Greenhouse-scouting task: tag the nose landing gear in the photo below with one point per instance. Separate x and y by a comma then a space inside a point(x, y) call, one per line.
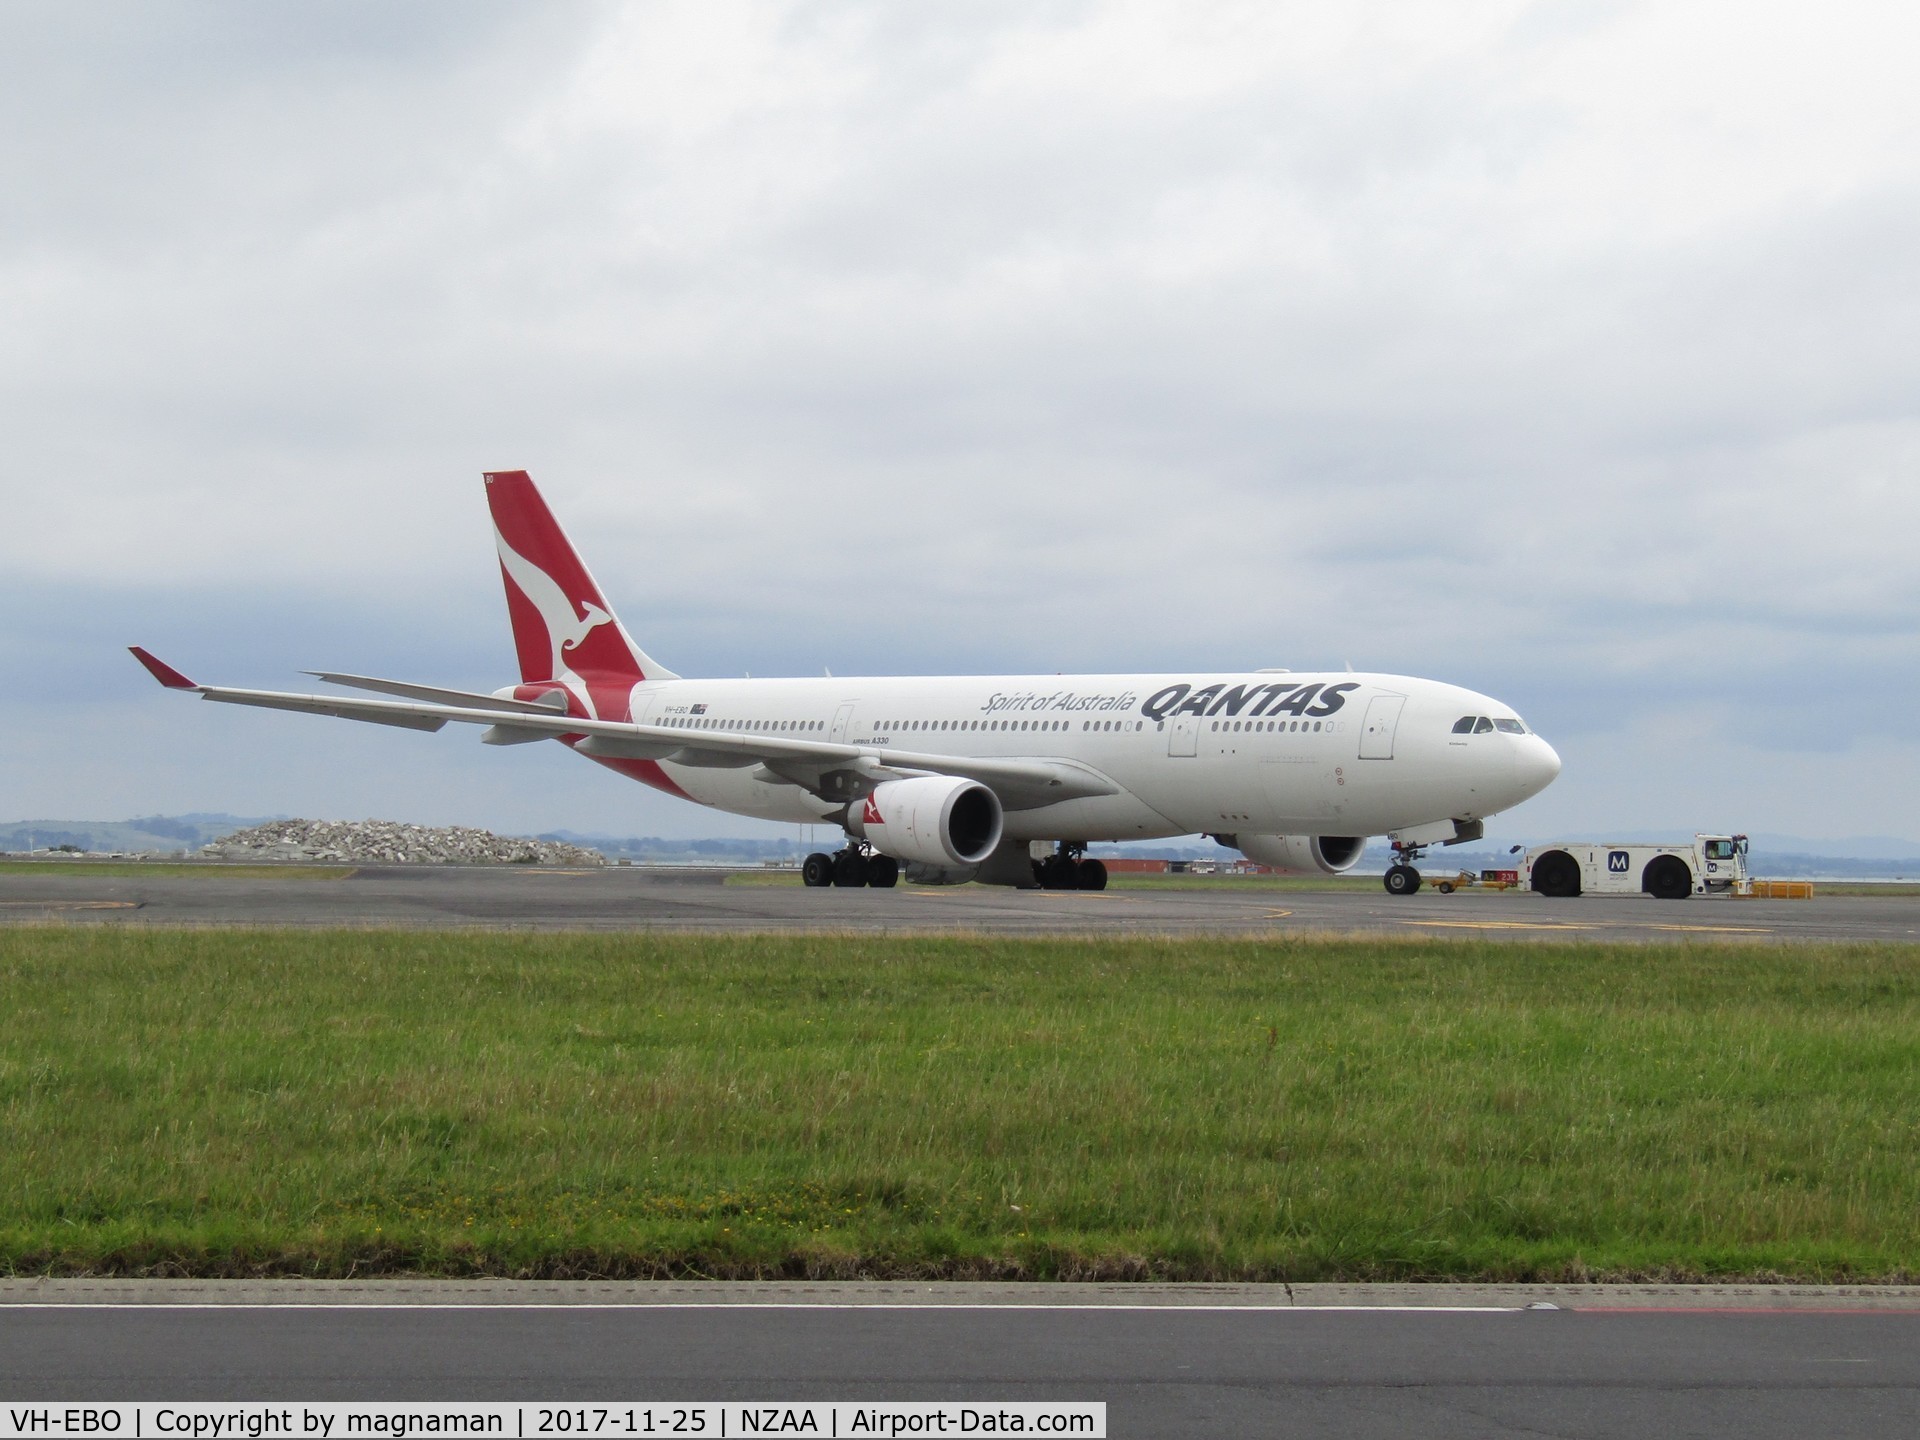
point(1401, 877)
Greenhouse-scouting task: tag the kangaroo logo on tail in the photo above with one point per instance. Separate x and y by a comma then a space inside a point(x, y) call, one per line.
point(566, 631)
point(563, 628)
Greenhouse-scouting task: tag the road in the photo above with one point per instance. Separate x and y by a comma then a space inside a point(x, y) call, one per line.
point(1205, 1361)
point(634, 898)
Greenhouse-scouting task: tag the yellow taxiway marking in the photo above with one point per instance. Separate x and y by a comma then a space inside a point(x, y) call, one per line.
point(1493, 925)
point(1717, 929)
point(72, 904)
point(1276, 914)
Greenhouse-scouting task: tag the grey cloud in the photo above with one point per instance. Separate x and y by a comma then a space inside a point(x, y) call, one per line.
point(905, 338)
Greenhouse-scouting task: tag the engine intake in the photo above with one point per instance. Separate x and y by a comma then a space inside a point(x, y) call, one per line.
point(933, 820)
point(1301, 854)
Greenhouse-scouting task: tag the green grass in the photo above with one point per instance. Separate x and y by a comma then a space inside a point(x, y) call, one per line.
point(209, 869)
point(332, 1103)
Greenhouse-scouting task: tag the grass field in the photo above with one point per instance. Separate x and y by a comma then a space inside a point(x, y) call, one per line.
point(332, 1103)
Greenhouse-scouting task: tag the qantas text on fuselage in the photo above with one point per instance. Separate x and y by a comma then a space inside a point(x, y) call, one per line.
point(959, 777)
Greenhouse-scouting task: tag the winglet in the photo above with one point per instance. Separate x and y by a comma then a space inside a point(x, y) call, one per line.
point(161, 671)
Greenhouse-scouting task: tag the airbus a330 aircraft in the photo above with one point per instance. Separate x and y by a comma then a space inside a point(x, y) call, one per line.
point(999, 779)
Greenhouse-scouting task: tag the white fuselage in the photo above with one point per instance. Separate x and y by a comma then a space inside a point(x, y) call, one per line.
point(1263, 753)
point(955, 772)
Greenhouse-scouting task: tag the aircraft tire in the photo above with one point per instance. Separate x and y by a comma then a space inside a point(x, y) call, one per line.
point(1093, 875)
point(1401, 880)
point(849, 870)
point(816, 870)
point(883, 872)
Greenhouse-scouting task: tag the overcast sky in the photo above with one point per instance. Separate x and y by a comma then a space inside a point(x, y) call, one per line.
point(1565, 350)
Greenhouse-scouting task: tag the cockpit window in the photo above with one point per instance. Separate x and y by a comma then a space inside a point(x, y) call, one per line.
point(1509, 727)
point(1464, 725)
point(1482, 726)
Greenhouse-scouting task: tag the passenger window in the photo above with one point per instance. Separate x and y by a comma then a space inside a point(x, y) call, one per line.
point(1464, 725)
point(1483, 726)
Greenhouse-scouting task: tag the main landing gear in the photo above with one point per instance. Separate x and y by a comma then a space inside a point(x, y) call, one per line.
point(1401, 877)
point(1069, 869)
point(851, 868)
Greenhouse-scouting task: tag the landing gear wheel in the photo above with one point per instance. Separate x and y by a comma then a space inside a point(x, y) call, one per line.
point(1057, 872)
point(816, 870)
point(883, 872)
point(1401, 880)
point(849, 870)
point(1064, 869)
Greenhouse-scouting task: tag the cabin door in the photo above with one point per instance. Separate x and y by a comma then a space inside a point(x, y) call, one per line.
point(1376, 731)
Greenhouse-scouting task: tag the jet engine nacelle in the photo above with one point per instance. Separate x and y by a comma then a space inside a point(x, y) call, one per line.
point(939, 820)
point(1301, 854)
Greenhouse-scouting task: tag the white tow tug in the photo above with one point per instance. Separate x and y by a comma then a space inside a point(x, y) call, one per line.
point(1711, 865)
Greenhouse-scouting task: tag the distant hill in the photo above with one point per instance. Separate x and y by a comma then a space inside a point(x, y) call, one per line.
point(658, 850)
point(162, 833)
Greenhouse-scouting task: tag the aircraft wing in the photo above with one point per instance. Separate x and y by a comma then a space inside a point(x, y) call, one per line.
point(545, 705)
point(832, 770)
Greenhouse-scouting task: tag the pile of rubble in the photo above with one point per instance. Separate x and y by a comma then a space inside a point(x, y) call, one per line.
point(371, 841)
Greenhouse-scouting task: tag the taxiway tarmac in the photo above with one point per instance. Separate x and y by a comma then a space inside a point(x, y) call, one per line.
point(1208, 1361)
point(635, 898)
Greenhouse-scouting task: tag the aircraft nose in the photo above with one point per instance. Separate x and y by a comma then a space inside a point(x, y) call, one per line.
point(1537, 763)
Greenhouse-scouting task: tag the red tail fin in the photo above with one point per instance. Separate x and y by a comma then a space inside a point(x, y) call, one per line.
point(563, 628)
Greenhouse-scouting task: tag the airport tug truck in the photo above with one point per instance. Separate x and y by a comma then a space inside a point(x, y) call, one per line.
point(1711, 865)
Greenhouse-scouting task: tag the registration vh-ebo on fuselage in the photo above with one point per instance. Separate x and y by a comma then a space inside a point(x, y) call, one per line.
point(1000, 779)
